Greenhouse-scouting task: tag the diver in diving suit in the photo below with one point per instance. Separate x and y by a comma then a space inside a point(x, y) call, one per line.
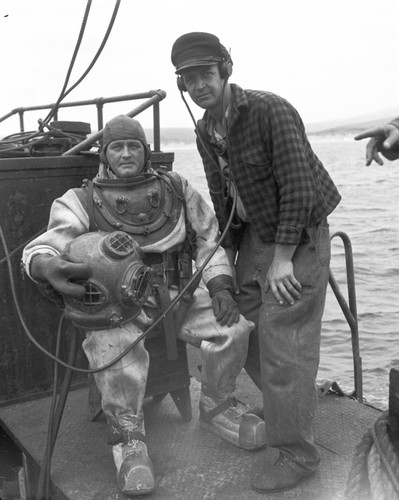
point(167, 217)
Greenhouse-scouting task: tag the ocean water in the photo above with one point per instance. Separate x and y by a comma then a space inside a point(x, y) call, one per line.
point(369, 215)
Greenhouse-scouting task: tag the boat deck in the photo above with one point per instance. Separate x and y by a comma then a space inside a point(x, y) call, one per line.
point(189, 463)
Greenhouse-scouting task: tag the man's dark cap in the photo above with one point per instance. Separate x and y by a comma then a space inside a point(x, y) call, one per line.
point(196, 49)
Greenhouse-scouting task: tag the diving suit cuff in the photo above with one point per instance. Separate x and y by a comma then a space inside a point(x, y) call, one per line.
point(219, 283)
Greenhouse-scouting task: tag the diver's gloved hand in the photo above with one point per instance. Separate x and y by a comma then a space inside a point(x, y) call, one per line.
point(61, 273)
point(224, 306)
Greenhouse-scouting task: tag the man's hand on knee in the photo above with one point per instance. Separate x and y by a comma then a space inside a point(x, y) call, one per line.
point(224, 306)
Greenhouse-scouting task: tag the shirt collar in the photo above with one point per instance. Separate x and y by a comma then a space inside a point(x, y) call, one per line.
point(211, 123)
point(239, 102)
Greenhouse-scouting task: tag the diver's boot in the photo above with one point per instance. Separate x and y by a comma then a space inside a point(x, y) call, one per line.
point(283, 474)
point(135, 473)
point(233, 422)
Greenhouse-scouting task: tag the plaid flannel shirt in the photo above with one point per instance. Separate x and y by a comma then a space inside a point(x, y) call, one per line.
point(282, 184)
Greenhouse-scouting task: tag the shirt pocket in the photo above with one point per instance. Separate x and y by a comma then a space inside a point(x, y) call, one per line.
point(256, 163)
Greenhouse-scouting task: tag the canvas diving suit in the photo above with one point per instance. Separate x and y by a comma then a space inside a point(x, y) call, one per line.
point(158, 210)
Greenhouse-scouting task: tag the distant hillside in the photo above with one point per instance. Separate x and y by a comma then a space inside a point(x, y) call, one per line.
point(354, 124)
point(351, 126)
point(173, 135)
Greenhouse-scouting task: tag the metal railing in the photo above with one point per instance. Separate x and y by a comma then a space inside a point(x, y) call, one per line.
point(350, 311)
point(153, 96)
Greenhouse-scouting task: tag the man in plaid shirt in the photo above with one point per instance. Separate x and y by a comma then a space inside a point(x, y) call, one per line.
point(258, 162)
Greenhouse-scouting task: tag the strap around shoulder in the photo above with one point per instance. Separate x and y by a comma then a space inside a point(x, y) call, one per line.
point(85, 195)
point(90, 207)
point(174, 182)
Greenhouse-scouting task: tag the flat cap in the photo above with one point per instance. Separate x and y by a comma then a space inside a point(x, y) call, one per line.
point(196, 49)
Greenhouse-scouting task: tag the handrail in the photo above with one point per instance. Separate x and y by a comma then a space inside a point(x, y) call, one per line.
point(350, 311)
point(160, 94)
point(99, 103)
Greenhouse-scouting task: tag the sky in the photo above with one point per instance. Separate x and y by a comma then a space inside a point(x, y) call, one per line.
point(331, 60)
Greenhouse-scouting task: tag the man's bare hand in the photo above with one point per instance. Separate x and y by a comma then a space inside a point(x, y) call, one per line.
point(61, 273)
point(384, 140)
point(280, 277)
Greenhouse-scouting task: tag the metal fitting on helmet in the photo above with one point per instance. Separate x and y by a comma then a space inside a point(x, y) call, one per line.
point(119, 283)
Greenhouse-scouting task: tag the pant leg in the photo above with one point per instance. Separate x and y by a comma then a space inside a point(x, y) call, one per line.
point(249, 300)
point(223, 348)
point(289, 341)
point(122, 386)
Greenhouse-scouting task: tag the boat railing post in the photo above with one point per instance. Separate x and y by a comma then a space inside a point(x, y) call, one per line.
point(350, 312)
point(100, 116)
point(157, 128)
point(21, 120)
point(393, 424)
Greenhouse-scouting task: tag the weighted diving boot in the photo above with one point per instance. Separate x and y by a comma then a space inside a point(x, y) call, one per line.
point(135, 472)
point(232, 421)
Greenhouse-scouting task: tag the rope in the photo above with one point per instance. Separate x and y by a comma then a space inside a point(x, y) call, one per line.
point(71, 64)
point(100, 49)
point(19, 145)
point(374, 473)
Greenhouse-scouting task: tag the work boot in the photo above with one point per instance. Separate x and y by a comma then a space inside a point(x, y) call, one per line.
point(232, 421)
point(283, 474)
point(135, 473)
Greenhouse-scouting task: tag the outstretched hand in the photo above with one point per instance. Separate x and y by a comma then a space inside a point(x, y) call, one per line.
point(382, 139)
point(62, 274)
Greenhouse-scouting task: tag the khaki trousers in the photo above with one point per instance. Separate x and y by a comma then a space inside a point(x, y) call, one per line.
point(283, 355)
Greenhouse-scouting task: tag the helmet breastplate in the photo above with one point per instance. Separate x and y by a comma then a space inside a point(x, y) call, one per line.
point(148, 207)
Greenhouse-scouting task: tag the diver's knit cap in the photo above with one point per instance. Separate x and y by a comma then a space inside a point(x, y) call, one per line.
point(123, 128)
point(196, 49)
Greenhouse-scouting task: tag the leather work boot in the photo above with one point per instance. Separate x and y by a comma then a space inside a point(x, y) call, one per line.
point(135, 473)
point(233, 422)
point(282, 475)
